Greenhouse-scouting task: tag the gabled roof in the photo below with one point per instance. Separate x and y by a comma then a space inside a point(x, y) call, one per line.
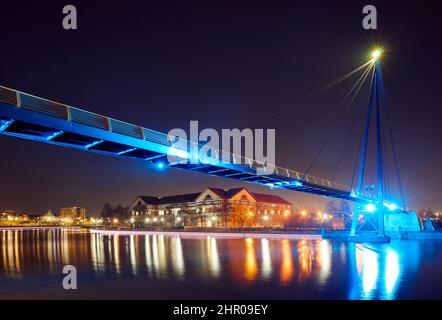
point(224, 194)
point(182, 198)
point(231, 192)
point(219, 192)
point(149, 200)
point(259, 197)
point(269, 198)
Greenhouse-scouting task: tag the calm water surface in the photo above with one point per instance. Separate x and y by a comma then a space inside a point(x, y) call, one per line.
point(31, 264)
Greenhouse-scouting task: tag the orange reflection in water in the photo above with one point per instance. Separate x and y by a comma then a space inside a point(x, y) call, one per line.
point(287, 268)
point(305, 260)
point(251, 266)
point(10, 257)
point(40, 249)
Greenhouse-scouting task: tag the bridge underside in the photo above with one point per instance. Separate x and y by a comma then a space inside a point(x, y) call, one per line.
point(38, 119)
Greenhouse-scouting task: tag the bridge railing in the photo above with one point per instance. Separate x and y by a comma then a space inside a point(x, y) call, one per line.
point(66, 112)
point(69, 113)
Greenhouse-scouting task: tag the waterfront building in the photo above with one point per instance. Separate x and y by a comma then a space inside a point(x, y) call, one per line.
point(73, 214)
point(48, 218)
point(8, 215)
point(11, 217)
point(213, 207)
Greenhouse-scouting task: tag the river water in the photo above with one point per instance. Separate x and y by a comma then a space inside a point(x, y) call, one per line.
point(160, 267)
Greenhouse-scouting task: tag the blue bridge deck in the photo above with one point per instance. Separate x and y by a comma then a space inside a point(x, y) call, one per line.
point(30, 117)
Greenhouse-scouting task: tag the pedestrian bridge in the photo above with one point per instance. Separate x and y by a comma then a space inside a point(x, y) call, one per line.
point(27, 116)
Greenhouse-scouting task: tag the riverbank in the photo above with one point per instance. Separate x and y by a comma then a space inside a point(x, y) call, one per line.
point(39, 228)
point(203, 234)
point(244, 233)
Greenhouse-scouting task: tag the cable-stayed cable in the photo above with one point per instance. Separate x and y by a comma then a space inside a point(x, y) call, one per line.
point(323, 146)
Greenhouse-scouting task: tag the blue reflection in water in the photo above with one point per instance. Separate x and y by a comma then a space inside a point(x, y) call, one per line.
point(391, 273)
point(370, 271)
point(325, 261)
point(374, 272)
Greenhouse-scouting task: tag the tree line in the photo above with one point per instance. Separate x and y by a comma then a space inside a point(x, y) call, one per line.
point(117, 212)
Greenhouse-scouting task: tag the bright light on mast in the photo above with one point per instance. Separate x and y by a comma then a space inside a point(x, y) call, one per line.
point(376, 54)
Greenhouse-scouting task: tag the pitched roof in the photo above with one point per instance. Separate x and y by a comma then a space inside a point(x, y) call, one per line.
point(260, 197)
point(269, 198)
point(224, 194)
point(182, 198)
point(149, 199)
point(231, 192)
point(219, 192)
point(48, 214)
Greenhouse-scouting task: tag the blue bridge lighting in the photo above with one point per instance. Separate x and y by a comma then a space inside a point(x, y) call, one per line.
point(160, 165)
point(391, 206)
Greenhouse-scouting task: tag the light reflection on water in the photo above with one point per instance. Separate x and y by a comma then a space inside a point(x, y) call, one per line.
point(280, 268)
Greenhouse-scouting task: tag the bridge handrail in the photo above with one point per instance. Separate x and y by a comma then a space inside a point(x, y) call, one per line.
point(73, 114)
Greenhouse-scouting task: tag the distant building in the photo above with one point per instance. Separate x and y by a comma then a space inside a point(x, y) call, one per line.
point(12, 216)
point(213, 207)
point(49, 217)
point(8, 214)
point(73, 214)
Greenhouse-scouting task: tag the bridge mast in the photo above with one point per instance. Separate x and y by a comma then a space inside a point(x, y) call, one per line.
point(380, 209)
point(375, 92)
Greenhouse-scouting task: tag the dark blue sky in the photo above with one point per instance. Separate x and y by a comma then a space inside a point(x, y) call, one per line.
point(227, 64)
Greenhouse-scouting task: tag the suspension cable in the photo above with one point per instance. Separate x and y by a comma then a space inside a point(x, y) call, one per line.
point(340, 79)
point(327, 140)
point(350, 131)
point(393, 144)
point(359, 151)
point(322, 90)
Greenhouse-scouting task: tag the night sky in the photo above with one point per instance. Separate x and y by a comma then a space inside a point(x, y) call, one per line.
point(227, 64)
